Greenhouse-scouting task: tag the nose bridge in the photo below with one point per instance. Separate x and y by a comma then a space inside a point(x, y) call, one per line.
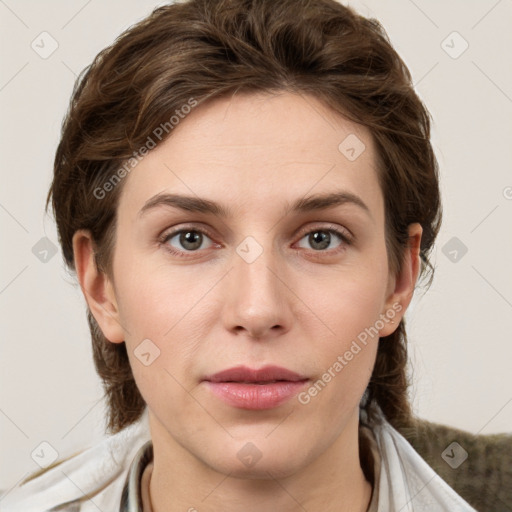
point(255, 263)
point(257, 298)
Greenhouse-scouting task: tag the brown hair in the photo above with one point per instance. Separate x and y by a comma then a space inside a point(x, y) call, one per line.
point(204, 49)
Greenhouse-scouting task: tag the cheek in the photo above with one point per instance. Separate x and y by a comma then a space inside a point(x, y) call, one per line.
point(162, 314)
point(349, 301)
point(352, 349)
point(349, 307)
point(345, 362)
point(152, 297)
point(155, 312)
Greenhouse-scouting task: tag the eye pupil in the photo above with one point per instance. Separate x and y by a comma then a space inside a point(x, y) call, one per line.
point(322, 238)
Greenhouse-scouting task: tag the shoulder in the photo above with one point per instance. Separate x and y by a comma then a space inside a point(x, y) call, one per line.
point(478, 467)
point(93, 477)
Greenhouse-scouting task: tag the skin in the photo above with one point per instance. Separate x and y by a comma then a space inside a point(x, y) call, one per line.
point(295, 306)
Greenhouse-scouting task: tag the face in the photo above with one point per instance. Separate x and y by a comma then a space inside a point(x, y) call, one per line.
point(269, 277)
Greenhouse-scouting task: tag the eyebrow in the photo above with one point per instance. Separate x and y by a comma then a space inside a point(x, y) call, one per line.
point(200, 205)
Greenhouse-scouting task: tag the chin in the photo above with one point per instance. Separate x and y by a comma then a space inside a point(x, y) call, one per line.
point(261, 459)
point(269, 470)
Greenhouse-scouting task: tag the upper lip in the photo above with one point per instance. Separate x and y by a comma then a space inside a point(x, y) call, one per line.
point(246, 374)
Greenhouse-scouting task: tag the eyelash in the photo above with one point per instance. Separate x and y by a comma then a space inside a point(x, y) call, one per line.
point(346, 239)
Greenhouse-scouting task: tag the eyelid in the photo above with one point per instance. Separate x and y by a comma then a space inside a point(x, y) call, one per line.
point(167, 234)
point(341, 231)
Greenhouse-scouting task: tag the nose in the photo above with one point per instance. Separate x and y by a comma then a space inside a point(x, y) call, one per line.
point(258, 302)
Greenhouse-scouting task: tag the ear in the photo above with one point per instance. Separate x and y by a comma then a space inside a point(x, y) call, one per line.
point(401, 287)
point(96, 287)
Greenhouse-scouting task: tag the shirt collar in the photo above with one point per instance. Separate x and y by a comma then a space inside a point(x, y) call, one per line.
point(131, 498)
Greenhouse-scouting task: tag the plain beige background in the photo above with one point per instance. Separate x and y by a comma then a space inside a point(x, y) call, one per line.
point(460, 342)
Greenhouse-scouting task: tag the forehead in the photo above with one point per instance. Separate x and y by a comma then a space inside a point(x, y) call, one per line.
point(255, 150)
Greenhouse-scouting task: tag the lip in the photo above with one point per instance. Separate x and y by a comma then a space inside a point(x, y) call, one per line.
point(249, 375)
point(255, 389)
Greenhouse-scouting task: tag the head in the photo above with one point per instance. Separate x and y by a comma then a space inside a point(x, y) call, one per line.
point(250, 105)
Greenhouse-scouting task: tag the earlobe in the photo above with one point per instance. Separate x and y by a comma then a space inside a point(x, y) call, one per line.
point(404, 283)
point(96, 287)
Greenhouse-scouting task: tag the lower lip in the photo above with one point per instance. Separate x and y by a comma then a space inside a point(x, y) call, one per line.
point(256, 396)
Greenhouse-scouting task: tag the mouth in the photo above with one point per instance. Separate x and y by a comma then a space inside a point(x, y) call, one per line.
point(255, 389)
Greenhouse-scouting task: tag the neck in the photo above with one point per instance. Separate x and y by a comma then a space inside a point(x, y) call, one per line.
point(334, 481)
